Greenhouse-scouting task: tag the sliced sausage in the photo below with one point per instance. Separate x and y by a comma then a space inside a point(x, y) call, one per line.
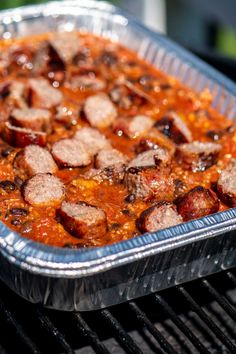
point(16, 96)
point(151, 158)
point(86, 83)
point(149, 183)
point(32, 118)
point(153, 140)
point(109, 157)
point(133, 127)
point(113, 174)
point(174, 128)
point(42, 94)
point(93, 139)
point(70, 153)
point(83, 220)
point(43, 189)
point(34, 159)
point(198, 202)
point(100, 111)
point(22, 137)
point(158, 216)
point(226, 185)
point(197, 156)
point(66, 44)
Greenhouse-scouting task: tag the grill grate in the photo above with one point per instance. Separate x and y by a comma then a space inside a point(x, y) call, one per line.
point(198, 317)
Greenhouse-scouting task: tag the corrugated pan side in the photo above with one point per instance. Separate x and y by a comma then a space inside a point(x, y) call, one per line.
point(89, 279)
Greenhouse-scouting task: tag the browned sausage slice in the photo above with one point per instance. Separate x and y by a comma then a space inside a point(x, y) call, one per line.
point(32, 118)
point(150, 183)
point(16, 96)
point(198, 202)
point(43, 189)
point(70, 153)
point(100, 111)
point(93, 139)
point(83, 220)
point(151, 158)
point(42, 94)
point(197, 156)
point(174, 128)
point(66, 44)
point(226, 185)
point(34, 159)
point(22, 137)
point(154, 139)
point(158, 216)
point(109, 157)
point(112, 174)
point(133, 127)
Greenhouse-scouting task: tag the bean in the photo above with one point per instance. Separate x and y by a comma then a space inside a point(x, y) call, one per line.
point(6, 152)
point(8, 186)
point(15, 222)
point(18, 211)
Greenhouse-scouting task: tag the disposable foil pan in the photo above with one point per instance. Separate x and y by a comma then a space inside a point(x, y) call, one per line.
point(90, 279)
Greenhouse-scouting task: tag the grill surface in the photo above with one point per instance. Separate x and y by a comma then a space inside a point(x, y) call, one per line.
point(198, 317)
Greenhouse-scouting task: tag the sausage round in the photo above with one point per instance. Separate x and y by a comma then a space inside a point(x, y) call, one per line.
point(43, 189)
point(226, 185)
point(133, 127)
point(70, 153)
point(32, 118)
point(34, 159)
point(83, 220)
point(151, 158)
point(100, 111)
point(22, 137)
point(149, 183)
point(174, 128)
point(42, 94)
point(109, 157)
point(158, 216)
point(92, 139)
point(198, 202)
point(197, 156)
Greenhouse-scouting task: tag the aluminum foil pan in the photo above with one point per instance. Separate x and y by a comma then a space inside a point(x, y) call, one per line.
point(90, 279)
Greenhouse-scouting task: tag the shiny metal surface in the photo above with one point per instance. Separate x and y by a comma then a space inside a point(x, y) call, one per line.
point(89, 279)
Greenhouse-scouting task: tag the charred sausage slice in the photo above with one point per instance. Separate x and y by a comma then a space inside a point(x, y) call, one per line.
point(70, 153)
point(112, 174)
point(198, 202)
point(133, 127)
point(197, 156)
point(151, 158)
point(226, 185)
point(66, 44)
point(32, 118)
point(42, 94)
point(100, 111)
point(83, 220)
point(109, 157)
point(149, 183)
point(22, 137)
point(43, 189)
point(93, 139)
point(86, 83)
point(174, 128)
point(153, 140)
point(34, 159)
point(158, 216)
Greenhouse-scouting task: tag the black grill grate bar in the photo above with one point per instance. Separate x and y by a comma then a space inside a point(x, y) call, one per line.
point(87, 333)
point(180, 324)
point(208, 321)
point(54, 332)
point(119, 332)
point(12, 321)
point(224, 303)
point(143, 319)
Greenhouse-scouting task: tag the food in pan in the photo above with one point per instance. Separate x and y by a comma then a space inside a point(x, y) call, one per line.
point(98, 146)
